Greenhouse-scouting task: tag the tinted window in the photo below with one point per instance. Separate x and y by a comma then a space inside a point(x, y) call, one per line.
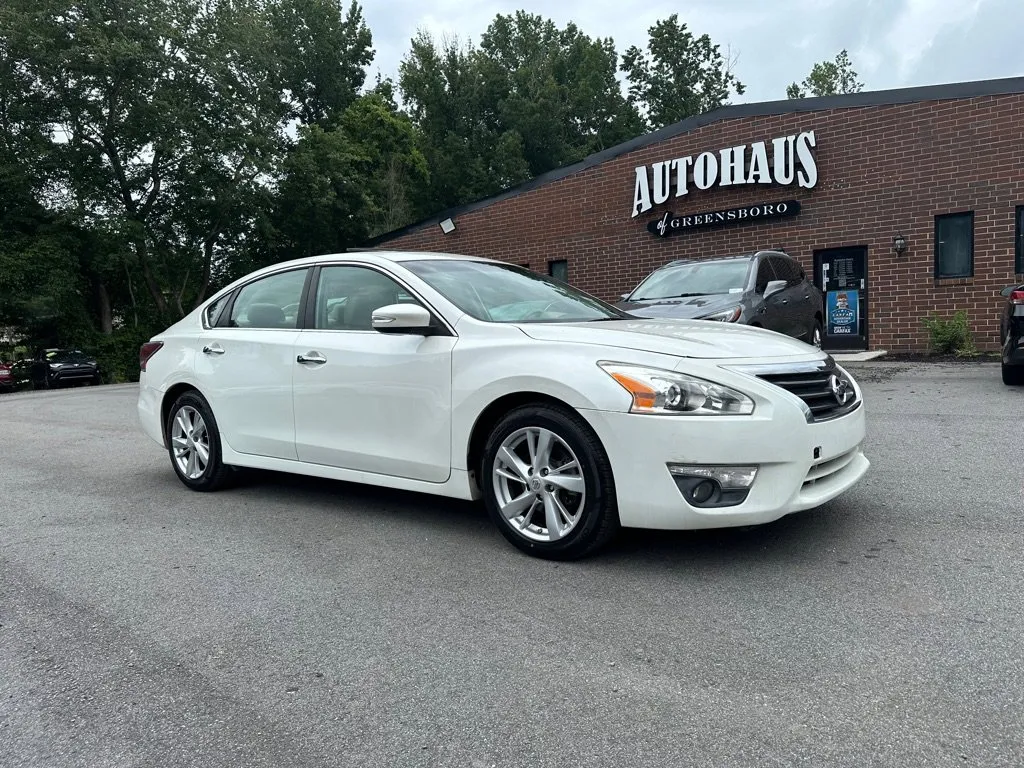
point(697, 279)
point(765, 274)
point(347, 297)
point(954, 245)
point(786, 269)
point(559, 270)
point(68, 356)
point(213, 311)
point(503, 293)
point(270, 302)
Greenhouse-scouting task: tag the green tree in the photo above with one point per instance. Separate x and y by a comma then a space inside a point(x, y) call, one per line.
point(828, 78)
point(460, 134)
point(323, 56)
point(678, 75)
point(554, 87)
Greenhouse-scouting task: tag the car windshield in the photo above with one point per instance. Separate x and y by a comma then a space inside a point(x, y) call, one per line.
point(67, 356)
point(504, 293)
point(696, 279)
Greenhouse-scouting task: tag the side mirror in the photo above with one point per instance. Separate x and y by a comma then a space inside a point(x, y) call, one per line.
point(403, 318)
point(774, 286)
point(624, 297)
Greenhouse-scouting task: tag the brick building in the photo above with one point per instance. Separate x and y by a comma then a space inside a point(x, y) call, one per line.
point(837, 182)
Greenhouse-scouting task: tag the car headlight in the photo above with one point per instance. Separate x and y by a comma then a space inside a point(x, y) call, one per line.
point(730, 315)
point(656, 391)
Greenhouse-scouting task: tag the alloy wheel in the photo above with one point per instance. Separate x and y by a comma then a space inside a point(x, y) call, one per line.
point(538, 484)
point(190, 441)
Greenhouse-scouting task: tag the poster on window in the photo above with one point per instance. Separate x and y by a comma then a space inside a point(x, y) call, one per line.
point(841, 308)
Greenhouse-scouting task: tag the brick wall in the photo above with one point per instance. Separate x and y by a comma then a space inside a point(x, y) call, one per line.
point(881, 170)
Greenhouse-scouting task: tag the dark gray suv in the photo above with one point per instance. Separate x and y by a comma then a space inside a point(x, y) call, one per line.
point(768, 289)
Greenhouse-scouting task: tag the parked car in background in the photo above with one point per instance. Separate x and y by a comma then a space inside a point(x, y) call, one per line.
point(767, 289)
point(1011, 335)
point(475, 379)
point(61, 367)
point(6, 378)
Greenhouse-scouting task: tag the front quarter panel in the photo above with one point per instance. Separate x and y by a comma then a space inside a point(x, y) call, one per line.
point(491, 365)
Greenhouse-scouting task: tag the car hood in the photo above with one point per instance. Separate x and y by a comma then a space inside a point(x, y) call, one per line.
point(689, 306)
point(705, 339)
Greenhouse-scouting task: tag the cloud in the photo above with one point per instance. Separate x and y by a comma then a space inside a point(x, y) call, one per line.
point(893, 43)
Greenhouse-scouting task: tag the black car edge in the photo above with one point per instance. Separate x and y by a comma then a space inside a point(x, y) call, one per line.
point(1011, 335)
point(767, 288)
point(62, 367)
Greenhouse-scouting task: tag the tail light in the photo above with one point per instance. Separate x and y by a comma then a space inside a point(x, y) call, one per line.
point(146, 351)
point(1017, 297)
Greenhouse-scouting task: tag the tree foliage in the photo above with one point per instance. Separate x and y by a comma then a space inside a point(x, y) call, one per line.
point(151, 150)
point(678, 75)
point(828, 78)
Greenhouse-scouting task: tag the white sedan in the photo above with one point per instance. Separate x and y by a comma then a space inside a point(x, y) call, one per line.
point(472, 378)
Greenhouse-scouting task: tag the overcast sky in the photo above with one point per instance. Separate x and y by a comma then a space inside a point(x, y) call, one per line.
point(892, 43)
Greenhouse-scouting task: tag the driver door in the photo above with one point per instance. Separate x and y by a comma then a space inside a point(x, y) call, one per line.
point(366, 400)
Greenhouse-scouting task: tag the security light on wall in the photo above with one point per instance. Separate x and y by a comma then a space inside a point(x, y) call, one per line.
point(899, 244)
point(447, 226)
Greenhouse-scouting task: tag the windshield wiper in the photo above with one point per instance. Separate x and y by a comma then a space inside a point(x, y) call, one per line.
point(676, 296)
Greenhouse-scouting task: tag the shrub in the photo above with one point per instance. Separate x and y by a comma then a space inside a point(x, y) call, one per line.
point(118, 354)
point(950, 335)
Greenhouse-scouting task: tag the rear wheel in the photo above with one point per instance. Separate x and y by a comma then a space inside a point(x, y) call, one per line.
point(194, 444)
point(548, 485)
point(1013, 375)
point(815, 335)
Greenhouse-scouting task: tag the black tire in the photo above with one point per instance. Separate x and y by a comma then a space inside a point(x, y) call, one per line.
point(1013, 375)
point(599, 520)
point(216, 475)
point(816, 328)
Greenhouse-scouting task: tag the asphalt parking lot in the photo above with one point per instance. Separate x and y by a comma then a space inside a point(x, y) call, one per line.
point(294, 622)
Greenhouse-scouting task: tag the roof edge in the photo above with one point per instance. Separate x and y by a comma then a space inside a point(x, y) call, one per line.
point(910, 95)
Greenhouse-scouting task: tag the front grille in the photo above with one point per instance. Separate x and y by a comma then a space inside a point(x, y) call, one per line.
point(813, 384)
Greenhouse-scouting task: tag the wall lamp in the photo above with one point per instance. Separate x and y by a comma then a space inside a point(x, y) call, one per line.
point(447, 226)
point(899, 244)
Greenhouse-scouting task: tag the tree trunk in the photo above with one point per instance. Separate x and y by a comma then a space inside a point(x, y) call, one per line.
point(142, 251)
point(106, 314)
point(204, 283)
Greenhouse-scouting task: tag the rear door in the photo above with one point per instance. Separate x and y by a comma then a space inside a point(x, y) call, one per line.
point(245, 366)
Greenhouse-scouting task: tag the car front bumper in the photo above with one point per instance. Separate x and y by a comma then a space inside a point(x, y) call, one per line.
point(801, 465)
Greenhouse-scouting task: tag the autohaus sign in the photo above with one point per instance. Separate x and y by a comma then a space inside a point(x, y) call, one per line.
point(791, 162)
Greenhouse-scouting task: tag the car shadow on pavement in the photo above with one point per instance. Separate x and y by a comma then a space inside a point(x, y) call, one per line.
point(807, 535)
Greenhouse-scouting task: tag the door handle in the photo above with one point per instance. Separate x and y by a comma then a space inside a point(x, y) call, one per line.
point(311, 357)
point(215, 349)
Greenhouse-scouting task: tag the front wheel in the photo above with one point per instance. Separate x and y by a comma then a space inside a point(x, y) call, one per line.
point(548, 485)
point(194, 444)
point(1013, 375)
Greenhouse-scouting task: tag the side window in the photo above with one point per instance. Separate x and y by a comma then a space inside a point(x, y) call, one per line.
point(347, 297)
point(765, 274)
point(270, 302)
point(786, 269)
point(213, 311)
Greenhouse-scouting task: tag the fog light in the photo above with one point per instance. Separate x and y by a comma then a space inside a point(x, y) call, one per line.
point(703, 491)
point(713, 486)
